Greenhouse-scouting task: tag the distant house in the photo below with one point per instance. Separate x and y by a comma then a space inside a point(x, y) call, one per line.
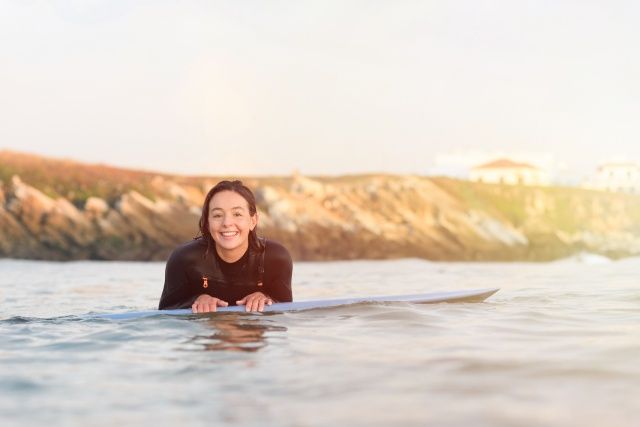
point(616, 177)
point(505, 171)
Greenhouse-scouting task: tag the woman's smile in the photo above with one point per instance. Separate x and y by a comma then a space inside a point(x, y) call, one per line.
point(229, 234)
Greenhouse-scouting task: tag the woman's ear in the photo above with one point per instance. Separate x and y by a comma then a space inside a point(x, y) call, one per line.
point(254, 221)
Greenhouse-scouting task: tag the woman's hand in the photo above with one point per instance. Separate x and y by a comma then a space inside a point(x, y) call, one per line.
point(255, 301)
point(206, 303)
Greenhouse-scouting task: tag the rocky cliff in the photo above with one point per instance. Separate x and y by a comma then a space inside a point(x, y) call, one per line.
point(61, 210)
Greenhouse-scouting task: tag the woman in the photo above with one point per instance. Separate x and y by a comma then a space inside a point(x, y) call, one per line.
point(228, 263)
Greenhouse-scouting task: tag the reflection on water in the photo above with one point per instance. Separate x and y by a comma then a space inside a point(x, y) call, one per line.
point(236, 332)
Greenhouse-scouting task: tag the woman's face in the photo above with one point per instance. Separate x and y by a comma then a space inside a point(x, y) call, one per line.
point(230, 223)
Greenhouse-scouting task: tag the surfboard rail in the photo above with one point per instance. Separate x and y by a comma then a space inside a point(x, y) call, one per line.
point(473, 295)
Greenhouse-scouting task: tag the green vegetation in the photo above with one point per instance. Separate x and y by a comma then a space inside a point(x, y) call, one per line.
point(74, 181)
point(546, 209)
point(501, 201)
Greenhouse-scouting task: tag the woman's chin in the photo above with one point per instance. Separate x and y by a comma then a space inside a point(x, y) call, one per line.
point(229, 245)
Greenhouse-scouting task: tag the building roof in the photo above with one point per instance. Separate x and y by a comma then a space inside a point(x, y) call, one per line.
point(505, 164)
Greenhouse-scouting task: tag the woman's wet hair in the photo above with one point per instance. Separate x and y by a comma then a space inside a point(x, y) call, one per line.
point(241, 189)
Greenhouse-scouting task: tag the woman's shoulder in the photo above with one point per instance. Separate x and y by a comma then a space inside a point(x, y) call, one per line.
point(275, 251)
point(193, 247)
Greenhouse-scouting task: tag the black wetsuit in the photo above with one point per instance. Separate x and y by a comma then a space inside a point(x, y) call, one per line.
point(189, 274)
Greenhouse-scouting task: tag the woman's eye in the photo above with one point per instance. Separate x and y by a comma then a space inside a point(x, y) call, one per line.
point(237, 214)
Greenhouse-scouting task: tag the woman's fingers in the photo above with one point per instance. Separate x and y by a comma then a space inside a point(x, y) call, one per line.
point(259, 303)
point(201, 308)
point(251, 302)
point(207, 304)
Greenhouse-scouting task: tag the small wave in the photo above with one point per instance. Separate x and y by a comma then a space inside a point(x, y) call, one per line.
point(16, 385)
point(588, 258)
point(18, 320)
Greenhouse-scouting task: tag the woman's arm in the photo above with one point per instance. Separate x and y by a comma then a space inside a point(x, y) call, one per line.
point(176, 292)
point(278, 269)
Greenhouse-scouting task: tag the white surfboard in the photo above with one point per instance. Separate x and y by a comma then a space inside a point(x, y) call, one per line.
point(476, 295)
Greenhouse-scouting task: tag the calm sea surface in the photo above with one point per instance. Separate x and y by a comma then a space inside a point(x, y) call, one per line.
point(559, 345)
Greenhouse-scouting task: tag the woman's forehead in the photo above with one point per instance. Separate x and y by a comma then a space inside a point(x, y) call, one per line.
point(228, 200)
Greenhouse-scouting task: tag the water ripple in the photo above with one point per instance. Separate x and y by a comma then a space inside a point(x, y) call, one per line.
point(557, 346)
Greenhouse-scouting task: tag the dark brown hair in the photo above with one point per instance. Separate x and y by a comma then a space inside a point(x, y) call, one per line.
point(241, 189)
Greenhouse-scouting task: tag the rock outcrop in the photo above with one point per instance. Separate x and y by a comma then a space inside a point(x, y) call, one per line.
point(37, 226)
point(381, 216)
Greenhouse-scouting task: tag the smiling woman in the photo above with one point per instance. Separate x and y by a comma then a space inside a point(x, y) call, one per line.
point(227, 264)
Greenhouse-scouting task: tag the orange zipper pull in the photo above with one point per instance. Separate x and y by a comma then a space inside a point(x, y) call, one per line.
point(205, 282)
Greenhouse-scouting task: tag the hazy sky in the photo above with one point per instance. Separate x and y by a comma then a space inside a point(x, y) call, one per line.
point(324, 87)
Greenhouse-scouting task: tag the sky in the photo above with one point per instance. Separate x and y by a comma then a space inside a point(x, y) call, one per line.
point(321, 87)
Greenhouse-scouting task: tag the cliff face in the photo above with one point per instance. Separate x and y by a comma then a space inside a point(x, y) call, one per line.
point(42, 216)
point(37, 226)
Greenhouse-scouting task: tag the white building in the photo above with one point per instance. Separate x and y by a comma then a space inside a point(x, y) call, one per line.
point(617, 177)
point(505, 171)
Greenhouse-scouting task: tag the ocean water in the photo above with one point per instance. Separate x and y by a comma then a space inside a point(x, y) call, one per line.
point(559, 345)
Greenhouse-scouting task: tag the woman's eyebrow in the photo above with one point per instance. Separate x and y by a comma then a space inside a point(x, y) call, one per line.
point(235, 207)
